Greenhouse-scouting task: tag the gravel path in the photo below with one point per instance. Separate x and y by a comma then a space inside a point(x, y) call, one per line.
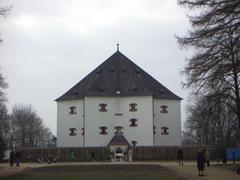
point(189, 172)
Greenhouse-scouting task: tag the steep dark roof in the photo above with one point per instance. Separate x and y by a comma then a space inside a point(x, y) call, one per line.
point(118, 76)
point(118, 140)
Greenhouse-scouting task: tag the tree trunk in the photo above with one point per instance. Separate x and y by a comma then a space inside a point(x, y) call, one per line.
point(237, 103)
point(236, 90)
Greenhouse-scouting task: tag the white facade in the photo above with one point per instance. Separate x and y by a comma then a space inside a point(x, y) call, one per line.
point(66, 121)
point(171, 120)
point(149, 115)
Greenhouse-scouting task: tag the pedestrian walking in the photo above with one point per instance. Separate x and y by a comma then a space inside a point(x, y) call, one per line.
point(238, 169)
point(18, 157)
point(200, 163)
point(207, 155)
point(93, 156)
point(180, 156)
point(11, 158)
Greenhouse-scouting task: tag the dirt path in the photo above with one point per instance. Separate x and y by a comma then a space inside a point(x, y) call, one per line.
point(189, 172)
point(6, 170)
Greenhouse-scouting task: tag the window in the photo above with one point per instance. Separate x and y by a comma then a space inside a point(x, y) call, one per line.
point(134, 143)
point(154, 130)
point(164, 109)
point(103, 107)
point(133, 107)
point(82, 131)
point(72, 132)
point(72, 110)
point(164, 130)
point(118, 130)
point(133, 122)
point(103, 130)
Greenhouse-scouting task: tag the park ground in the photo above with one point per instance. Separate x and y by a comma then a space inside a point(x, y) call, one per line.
point(121, 170)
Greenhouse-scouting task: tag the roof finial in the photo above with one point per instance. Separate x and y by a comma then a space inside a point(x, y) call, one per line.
point(117, 46)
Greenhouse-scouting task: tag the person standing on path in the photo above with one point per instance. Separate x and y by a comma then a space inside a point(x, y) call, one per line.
point(200, 163)
point(18, 156)
point(11, 158)
point(207, 155)
point(180, 156)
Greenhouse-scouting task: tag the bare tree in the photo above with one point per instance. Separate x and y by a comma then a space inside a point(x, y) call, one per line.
point(3, 109)
point(4, 125)
point(4, 121)
point(215, 36)
point(3, 85)
point(210, 122)
point(4, 11)
point(27, 129)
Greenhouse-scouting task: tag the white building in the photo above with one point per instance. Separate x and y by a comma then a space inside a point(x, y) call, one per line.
point(118, 104)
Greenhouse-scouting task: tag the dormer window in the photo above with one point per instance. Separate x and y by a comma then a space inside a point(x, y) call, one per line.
point(164, 130)
point(133, 107)
point(118, 130)
point(133, 122)
point(103, 130)
point(72, 132)
point(164, 109)
point(103, 107)
point(72, 110)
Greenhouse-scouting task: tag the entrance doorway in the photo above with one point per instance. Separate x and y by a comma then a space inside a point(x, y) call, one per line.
point(119, 153)
point(118, 147)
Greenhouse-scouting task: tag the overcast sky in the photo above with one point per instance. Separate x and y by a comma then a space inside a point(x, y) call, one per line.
point(50, 45)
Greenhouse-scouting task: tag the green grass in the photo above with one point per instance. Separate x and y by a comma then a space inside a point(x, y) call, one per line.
point(103, 172)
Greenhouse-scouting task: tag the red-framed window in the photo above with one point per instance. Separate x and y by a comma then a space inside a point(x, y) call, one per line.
point(133, 122)
point(103, 130)
point(133, 107)
point(72, 110)
point(164, 109)
point(164, 130)
point(72, 132)
point(103, 107)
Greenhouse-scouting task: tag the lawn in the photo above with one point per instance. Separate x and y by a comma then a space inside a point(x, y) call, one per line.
point(99, 172)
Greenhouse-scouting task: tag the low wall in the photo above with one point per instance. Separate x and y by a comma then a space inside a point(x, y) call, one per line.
point(66, 154)
point(103, 153)
point(170, 152)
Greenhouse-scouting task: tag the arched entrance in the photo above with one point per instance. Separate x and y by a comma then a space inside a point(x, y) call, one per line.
point(118, 147)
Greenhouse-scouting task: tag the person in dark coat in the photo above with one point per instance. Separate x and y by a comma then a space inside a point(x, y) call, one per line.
point(207, 155)
point(200, 163)
point(238, 169)
point(18, 156)
point(11, 157)
point(180, 156)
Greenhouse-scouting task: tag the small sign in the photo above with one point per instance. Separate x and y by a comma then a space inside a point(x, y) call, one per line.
point(233, 153)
